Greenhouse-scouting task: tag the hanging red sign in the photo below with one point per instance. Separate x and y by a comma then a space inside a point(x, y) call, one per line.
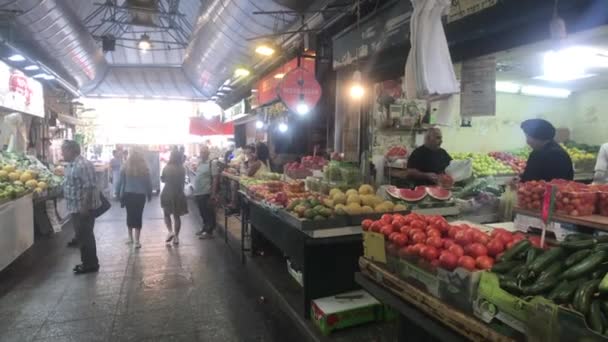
point(299, 87)
point(204, 127)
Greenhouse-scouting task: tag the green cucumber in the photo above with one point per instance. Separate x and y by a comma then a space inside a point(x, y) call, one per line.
point(582, 296)
point(546, 259)
point(576, 257)
point(601, 247)
point(585, 266)
point(540, 286)
point(552, 270)
point(565, 295)
point(604, 307)
point(579, 244)
point(505, 277)
point(604, 285)
point(577, 236)
point(511, 287)
point(505, 266)
point(517, 248)
point(600, 271)
point(531, 254)
point(516, 270)
point(556, 290)
point(595, 317)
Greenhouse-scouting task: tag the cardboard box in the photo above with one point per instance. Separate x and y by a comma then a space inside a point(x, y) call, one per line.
point(346, 310)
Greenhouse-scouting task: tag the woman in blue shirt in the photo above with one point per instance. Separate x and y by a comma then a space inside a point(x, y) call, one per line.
point(135, 186)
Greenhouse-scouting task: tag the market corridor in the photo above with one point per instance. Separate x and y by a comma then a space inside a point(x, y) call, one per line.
point(196, 291)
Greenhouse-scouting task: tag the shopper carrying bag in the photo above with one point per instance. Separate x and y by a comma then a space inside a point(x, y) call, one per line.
point(135, 186)
point(206, 184)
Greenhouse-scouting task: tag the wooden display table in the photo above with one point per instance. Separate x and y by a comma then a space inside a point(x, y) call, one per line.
point(421, 310)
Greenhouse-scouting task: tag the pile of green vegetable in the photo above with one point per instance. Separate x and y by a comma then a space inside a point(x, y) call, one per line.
point(572, 274)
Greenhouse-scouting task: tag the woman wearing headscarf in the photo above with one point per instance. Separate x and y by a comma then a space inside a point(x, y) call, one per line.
point(548, 159)
point(134, 187)
point(172, 198)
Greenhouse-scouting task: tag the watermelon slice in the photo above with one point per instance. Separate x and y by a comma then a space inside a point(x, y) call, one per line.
point(394, 192)
point(438, 193)
point(413, 195)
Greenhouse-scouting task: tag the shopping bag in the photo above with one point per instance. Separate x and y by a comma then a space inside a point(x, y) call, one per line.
point(460, 170)
point(105, 206)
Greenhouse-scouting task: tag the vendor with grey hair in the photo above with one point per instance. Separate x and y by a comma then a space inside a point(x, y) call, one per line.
point(548, 159)
point(82, 197)
point(428, 161)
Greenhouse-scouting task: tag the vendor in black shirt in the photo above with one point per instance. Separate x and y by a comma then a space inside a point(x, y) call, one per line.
point(428, 161)
point(548, 159)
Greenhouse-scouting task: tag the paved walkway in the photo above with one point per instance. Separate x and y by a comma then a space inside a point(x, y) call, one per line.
point(197, 291)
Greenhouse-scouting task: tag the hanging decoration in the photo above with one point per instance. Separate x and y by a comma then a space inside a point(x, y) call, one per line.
point(299, 90)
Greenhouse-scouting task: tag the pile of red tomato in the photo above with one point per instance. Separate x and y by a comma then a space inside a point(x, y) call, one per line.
point(571, 198)
point(441, 244)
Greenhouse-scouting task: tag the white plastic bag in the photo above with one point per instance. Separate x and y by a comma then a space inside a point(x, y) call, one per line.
point(460, 170)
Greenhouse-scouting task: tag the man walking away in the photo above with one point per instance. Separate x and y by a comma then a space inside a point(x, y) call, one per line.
point(82, 197)
point(205, 190)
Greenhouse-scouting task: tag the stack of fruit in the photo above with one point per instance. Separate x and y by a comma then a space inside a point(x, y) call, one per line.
point(571, 198)
point(484, 165)
point(579, 156)
point(303, 169)
point(15, 182)
point(310, 208)
point(516, 163)
point(572, 274)
point(362, 201)
point(602, 199)
point(433, 239)
point(277, 193)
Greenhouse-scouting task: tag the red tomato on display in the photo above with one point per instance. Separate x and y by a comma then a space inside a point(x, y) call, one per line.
point(495, 247)
point(504, 237)
point(496, 231)
point(413, 232)
point(405, 229)
point(419, 224)
point(392, 236)
point(535, 241)
point(467, 262)
point(418, 247)
point(434, 241)
point(401, 239)
point(456, 250)
point(397, 223)
point(411, 250)
point(484, 262)
point(435, 263)
point(462, 238)
point(386, 230)
point(386, 218)
point(452, 231)
point(510, 244)
point(433, 232)
point(448, 260)
point(476, 250)
point(366, 224)
point(430, 253)
point(518, 237)
point(482, 238)
point(419, 237)
point(447, 243)
point(376, 226)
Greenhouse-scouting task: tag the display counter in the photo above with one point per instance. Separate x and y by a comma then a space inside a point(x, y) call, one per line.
point(326, 258)
point(16, 229)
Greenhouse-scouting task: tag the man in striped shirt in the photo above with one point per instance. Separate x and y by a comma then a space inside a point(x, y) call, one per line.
point(82, 197)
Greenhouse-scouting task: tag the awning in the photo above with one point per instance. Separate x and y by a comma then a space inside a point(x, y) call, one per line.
point(205, 127)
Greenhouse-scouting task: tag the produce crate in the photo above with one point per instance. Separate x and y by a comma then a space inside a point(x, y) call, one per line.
point(571, 326)
point(346, 310)
point(302, 224)
point(457, 288)
point(537, 317)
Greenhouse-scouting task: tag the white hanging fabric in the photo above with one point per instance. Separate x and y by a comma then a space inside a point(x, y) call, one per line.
point(13, 133)
point(429, 70)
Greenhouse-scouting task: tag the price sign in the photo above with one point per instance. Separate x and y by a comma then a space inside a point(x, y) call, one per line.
point(373, 247)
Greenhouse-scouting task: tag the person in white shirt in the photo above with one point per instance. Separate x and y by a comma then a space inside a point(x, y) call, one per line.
point(601, 166)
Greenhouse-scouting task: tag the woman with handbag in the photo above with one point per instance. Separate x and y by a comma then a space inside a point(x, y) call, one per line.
point(135, 186)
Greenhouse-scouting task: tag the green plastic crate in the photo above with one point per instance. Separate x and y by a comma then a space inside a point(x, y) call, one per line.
point(346, 310)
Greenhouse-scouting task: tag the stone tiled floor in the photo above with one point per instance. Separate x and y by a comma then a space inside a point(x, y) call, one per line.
point(196, 291)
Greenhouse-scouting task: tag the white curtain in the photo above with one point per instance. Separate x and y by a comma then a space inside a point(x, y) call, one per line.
point(429, 69)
